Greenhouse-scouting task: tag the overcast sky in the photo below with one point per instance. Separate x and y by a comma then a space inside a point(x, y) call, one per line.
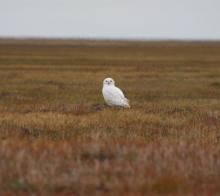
point(139, 19)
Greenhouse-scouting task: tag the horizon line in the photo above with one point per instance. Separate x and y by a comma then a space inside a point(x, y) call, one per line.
point(107, 38)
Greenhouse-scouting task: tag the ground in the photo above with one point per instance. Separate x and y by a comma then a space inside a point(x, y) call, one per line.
point(57, 137)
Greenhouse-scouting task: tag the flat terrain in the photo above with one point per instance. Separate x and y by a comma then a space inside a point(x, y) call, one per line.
point(57, 137)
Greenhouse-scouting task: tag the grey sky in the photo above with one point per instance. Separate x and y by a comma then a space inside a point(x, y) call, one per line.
point(141, 19)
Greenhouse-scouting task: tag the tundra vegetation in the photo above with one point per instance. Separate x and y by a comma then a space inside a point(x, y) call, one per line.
point(58, 137)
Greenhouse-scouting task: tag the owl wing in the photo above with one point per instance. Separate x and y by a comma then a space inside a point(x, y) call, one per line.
point(116, 97)
point(123, 98)
point(117, 91)
point(114, 93)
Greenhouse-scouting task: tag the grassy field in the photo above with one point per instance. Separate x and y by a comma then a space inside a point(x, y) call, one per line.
point(57, 137)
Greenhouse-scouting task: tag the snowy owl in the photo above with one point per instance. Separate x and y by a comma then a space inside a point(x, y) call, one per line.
point(113, 96)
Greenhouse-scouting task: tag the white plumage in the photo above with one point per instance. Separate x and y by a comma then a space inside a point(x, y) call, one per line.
point(113, 96)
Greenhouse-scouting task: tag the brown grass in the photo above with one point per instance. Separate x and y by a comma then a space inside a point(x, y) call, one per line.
point(58, 137)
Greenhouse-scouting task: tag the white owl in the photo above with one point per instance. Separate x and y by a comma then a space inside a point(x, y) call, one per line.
point(113, 96)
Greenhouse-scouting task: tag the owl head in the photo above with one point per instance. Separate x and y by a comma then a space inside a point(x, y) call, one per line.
point(108, 82)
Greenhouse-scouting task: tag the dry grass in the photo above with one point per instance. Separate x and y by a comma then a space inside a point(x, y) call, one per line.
point(58, 137)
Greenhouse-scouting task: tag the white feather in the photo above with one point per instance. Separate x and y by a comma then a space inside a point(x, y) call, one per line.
point(113, 96)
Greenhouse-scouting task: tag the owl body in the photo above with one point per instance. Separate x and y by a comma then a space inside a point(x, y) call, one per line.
point(113, 96)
